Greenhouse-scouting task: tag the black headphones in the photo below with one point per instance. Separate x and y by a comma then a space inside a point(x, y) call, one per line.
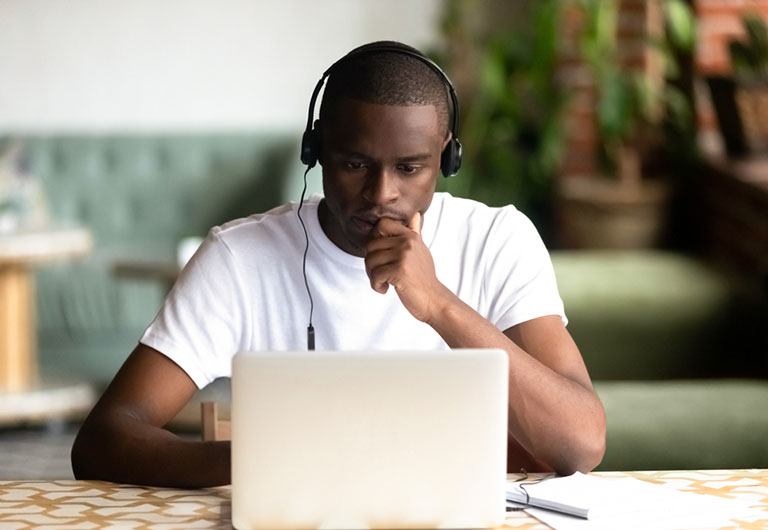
point(450, 159)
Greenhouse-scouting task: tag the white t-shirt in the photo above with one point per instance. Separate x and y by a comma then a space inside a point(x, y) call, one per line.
point(244, 288)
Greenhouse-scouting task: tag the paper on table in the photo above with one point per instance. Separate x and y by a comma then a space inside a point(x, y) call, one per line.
point(629, 503)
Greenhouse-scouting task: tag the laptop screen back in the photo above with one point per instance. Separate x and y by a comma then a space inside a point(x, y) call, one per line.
point(369, 439)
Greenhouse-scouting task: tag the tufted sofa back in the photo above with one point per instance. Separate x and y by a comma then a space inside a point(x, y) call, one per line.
point(155, 189)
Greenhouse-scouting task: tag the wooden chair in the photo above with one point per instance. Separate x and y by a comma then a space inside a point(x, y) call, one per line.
point(214, 428)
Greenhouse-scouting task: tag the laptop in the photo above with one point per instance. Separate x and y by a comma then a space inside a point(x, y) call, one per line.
point(409, 439)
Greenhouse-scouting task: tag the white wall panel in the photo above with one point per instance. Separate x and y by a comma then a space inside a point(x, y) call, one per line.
point(183, 64)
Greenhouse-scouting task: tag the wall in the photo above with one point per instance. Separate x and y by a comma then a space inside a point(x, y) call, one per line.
point(720, 21)
point(636, 19)
point(183, 64)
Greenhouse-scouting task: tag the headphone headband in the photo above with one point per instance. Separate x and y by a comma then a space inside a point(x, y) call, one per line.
point(451, 157)
point(393, 48)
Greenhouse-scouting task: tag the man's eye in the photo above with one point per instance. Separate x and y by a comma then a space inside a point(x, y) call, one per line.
point(408, 169)
point(354, 165)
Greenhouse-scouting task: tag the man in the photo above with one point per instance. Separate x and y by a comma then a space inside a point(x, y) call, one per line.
point(391, 264)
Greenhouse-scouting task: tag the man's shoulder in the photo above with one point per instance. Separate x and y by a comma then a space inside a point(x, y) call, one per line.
point(461, 210)
point(279, 224)
point(279, 216)
point(465, 223)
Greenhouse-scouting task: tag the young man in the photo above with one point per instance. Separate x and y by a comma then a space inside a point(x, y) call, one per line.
point(392, 265)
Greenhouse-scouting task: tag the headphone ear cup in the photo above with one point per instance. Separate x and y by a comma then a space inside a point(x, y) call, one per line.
point(310, 150)
point(450, 159)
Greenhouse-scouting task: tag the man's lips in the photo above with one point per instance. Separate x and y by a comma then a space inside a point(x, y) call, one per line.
point(365, 223)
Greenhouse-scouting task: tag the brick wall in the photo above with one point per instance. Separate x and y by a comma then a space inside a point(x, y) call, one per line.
point(579, 120)
point(718, 22)
point(636, 19)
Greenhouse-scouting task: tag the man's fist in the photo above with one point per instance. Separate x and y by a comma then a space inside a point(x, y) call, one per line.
point(396, 255)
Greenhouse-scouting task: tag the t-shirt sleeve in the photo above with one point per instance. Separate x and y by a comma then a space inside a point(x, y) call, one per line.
point(519, 277)
point(201, 324)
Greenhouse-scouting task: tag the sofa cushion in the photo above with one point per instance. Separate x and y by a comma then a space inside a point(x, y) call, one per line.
point(647, 314)
point(687, 424)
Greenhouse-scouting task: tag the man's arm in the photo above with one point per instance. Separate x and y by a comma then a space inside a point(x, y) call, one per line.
point(122, 440)
point(553, 411)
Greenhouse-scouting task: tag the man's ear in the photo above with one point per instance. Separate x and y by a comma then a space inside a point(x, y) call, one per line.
point(448, 138)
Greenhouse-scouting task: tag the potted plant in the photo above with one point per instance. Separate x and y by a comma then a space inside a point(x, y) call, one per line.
point(624, 206)
point(503, 57)
point(741, 101)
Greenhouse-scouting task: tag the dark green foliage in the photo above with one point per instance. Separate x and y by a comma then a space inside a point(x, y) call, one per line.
point(749, 58)
point(630, 103)
point(511, 126)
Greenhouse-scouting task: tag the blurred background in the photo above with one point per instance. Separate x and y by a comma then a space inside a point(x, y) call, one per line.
point(632, 132)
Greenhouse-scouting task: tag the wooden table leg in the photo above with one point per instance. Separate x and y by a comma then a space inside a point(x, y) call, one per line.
point(18, 366)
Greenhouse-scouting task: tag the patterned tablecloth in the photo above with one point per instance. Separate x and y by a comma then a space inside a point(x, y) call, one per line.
point(80, 505)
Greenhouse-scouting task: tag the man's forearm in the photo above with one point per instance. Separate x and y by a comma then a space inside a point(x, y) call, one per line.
point(130, 451)
point(558, 420)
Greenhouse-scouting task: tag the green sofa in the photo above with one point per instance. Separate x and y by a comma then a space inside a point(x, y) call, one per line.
point(675, 346)
point(139, 195)
point(677, 351)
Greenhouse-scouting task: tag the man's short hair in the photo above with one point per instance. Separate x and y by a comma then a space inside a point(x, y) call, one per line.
point(387, 78)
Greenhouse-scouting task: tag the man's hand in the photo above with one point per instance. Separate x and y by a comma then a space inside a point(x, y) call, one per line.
point(397, 256)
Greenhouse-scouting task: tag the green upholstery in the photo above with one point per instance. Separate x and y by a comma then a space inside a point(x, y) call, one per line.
point(663, 335)
point(702, 424)
point(139, 194)
point(145, 190)
point(645, 315)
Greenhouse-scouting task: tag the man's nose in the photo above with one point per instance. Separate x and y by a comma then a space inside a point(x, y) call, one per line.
point(381, 187)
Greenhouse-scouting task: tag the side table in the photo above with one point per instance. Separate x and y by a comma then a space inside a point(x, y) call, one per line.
point(22, 395)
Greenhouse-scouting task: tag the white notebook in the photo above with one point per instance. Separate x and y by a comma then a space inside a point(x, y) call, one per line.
point(556, 494)
point(626, 503)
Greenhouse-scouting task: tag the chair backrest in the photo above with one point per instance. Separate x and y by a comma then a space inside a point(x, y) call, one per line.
point(214, 428)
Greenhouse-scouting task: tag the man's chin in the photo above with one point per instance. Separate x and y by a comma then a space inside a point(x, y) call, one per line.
point(357, 248)
point(355, 244)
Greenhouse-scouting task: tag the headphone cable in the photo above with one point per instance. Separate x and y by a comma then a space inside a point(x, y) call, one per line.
point(310, 328)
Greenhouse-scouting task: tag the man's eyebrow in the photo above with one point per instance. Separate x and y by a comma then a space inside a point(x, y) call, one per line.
point(415, 158)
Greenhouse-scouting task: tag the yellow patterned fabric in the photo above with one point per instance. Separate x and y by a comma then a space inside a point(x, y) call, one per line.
point(73, 504)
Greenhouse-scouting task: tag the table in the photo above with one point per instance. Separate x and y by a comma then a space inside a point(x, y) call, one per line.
point(22, 395)
point(165, 272)
point(93, 504)
point(18, 252)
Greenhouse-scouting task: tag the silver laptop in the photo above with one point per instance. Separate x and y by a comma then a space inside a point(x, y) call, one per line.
point(369, 439)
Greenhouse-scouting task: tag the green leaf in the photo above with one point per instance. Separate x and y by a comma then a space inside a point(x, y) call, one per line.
point(492, 74)
point(681, 24)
